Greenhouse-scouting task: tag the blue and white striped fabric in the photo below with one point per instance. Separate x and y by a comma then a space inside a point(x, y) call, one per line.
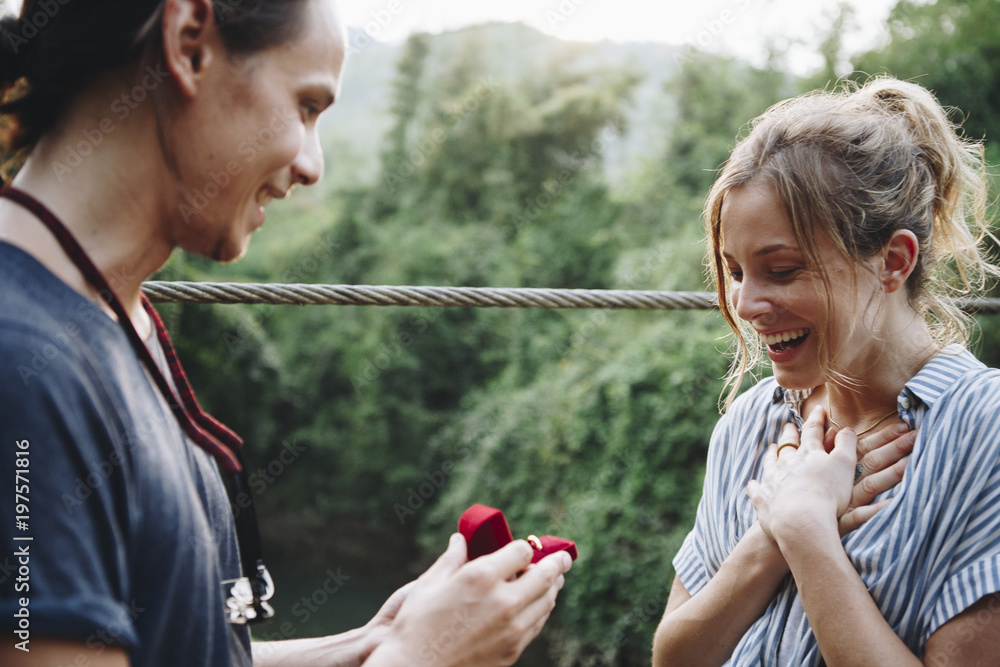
point(933, 552)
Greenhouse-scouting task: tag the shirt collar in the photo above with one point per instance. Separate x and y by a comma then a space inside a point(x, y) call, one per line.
point(940, 374)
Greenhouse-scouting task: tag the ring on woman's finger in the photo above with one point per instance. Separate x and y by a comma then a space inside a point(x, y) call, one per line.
point(793, 445)
point(858, 472)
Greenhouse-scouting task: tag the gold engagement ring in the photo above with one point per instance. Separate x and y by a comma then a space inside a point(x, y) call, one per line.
point(793, 445)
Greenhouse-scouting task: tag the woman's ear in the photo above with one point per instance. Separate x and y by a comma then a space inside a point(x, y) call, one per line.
point(899, 257)
point(190, 41)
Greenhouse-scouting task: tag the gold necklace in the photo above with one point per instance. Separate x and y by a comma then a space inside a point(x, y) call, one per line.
point(829, 415)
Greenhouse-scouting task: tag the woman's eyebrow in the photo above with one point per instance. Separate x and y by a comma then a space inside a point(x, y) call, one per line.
point(767, 250)
point(776, 247)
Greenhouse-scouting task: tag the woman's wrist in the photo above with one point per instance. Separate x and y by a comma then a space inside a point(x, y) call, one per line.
point(805, 533)
point(766, 550)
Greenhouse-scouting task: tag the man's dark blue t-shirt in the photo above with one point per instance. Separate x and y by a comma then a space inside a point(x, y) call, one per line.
point(130, 524)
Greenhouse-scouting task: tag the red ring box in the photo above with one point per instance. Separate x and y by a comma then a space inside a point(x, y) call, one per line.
point(485, 530)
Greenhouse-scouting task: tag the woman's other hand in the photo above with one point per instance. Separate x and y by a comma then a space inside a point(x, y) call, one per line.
point(882, 459)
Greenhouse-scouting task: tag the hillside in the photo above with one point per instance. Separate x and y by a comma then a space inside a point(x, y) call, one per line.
point(354, 128)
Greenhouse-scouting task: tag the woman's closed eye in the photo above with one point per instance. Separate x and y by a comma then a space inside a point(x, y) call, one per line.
point(784, 274)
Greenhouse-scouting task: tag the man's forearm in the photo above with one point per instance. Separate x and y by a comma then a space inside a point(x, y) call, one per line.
point(348, 649)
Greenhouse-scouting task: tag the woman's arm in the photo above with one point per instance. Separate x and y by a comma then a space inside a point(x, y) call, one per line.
point(848, 626)
point(971, 639)
point(799, 502)
point(704, 629)
point(850, 629)
point(723, 612)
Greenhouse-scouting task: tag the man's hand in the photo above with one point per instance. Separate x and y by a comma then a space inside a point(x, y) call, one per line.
point(483, 612)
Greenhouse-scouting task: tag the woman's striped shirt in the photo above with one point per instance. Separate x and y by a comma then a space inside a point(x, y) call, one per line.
point(929, 555)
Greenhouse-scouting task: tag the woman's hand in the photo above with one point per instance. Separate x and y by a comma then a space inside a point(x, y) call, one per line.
point(882, 459)
point(806, 487)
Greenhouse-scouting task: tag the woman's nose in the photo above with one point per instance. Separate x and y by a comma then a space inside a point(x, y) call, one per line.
point(751, 300)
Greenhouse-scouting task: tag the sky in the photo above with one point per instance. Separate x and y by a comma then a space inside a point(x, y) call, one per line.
point(736, 27)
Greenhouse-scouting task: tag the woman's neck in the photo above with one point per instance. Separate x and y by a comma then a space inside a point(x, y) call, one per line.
point(860, 400)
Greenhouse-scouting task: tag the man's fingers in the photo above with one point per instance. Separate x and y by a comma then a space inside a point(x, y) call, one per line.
point(454, 557)
point(538, 611)
point(396, 600)
point(543, 575)
point(509, 560)
point(538, 588)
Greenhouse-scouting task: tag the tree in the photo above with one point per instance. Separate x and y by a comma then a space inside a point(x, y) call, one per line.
point(951, 47)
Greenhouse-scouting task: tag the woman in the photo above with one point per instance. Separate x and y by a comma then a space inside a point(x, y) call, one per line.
point(151, 125)
point(837, 229)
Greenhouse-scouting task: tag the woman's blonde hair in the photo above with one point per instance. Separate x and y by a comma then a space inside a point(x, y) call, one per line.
point(855, 166)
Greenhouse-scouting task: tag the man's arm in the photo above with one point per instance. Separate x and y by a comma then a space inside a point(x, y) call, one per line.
point(343, 650)
point(48, 651)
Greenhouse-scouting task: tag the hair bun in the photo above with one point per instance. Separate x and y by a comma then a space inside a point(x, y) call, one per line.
point(11, 50)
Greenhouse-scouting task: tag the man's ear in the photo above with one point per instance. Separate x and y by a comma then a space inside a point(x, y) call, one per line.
point(190, 41)
point(899, 257)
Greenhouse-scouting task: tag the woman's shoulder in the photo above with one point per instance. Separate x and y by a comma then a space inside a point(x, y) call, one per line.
point(754, 414)
point(962, 396)
point(956, 376)
point(761, 396)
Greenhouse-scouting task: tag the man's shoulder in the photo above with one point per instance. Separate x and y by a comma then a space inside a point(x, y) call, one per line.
point(50, 339)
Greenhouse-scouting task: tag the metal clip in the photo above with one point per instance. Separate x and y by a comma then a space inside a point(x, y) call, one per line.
point(243, 603)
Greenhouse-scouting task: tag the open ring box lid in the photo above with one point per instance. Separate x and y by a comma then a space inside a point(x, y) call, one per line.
point(485, 530)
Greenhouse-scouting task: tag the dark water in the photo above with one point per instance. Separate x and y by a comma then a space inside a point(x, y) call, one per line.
point(314, 598)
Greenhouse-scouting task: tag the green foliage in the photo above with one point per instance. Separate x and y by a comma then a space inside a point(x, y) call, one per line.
point(592, 425)
point(606, 448)
point(951, 47)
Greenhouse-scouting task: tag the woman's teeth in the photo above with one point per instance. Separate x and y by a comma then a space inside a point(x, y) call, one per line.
point(794, 337)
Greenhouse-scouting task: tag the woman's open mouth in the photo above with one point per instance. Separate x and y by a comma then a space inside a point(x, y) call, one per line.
point(786, 340)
